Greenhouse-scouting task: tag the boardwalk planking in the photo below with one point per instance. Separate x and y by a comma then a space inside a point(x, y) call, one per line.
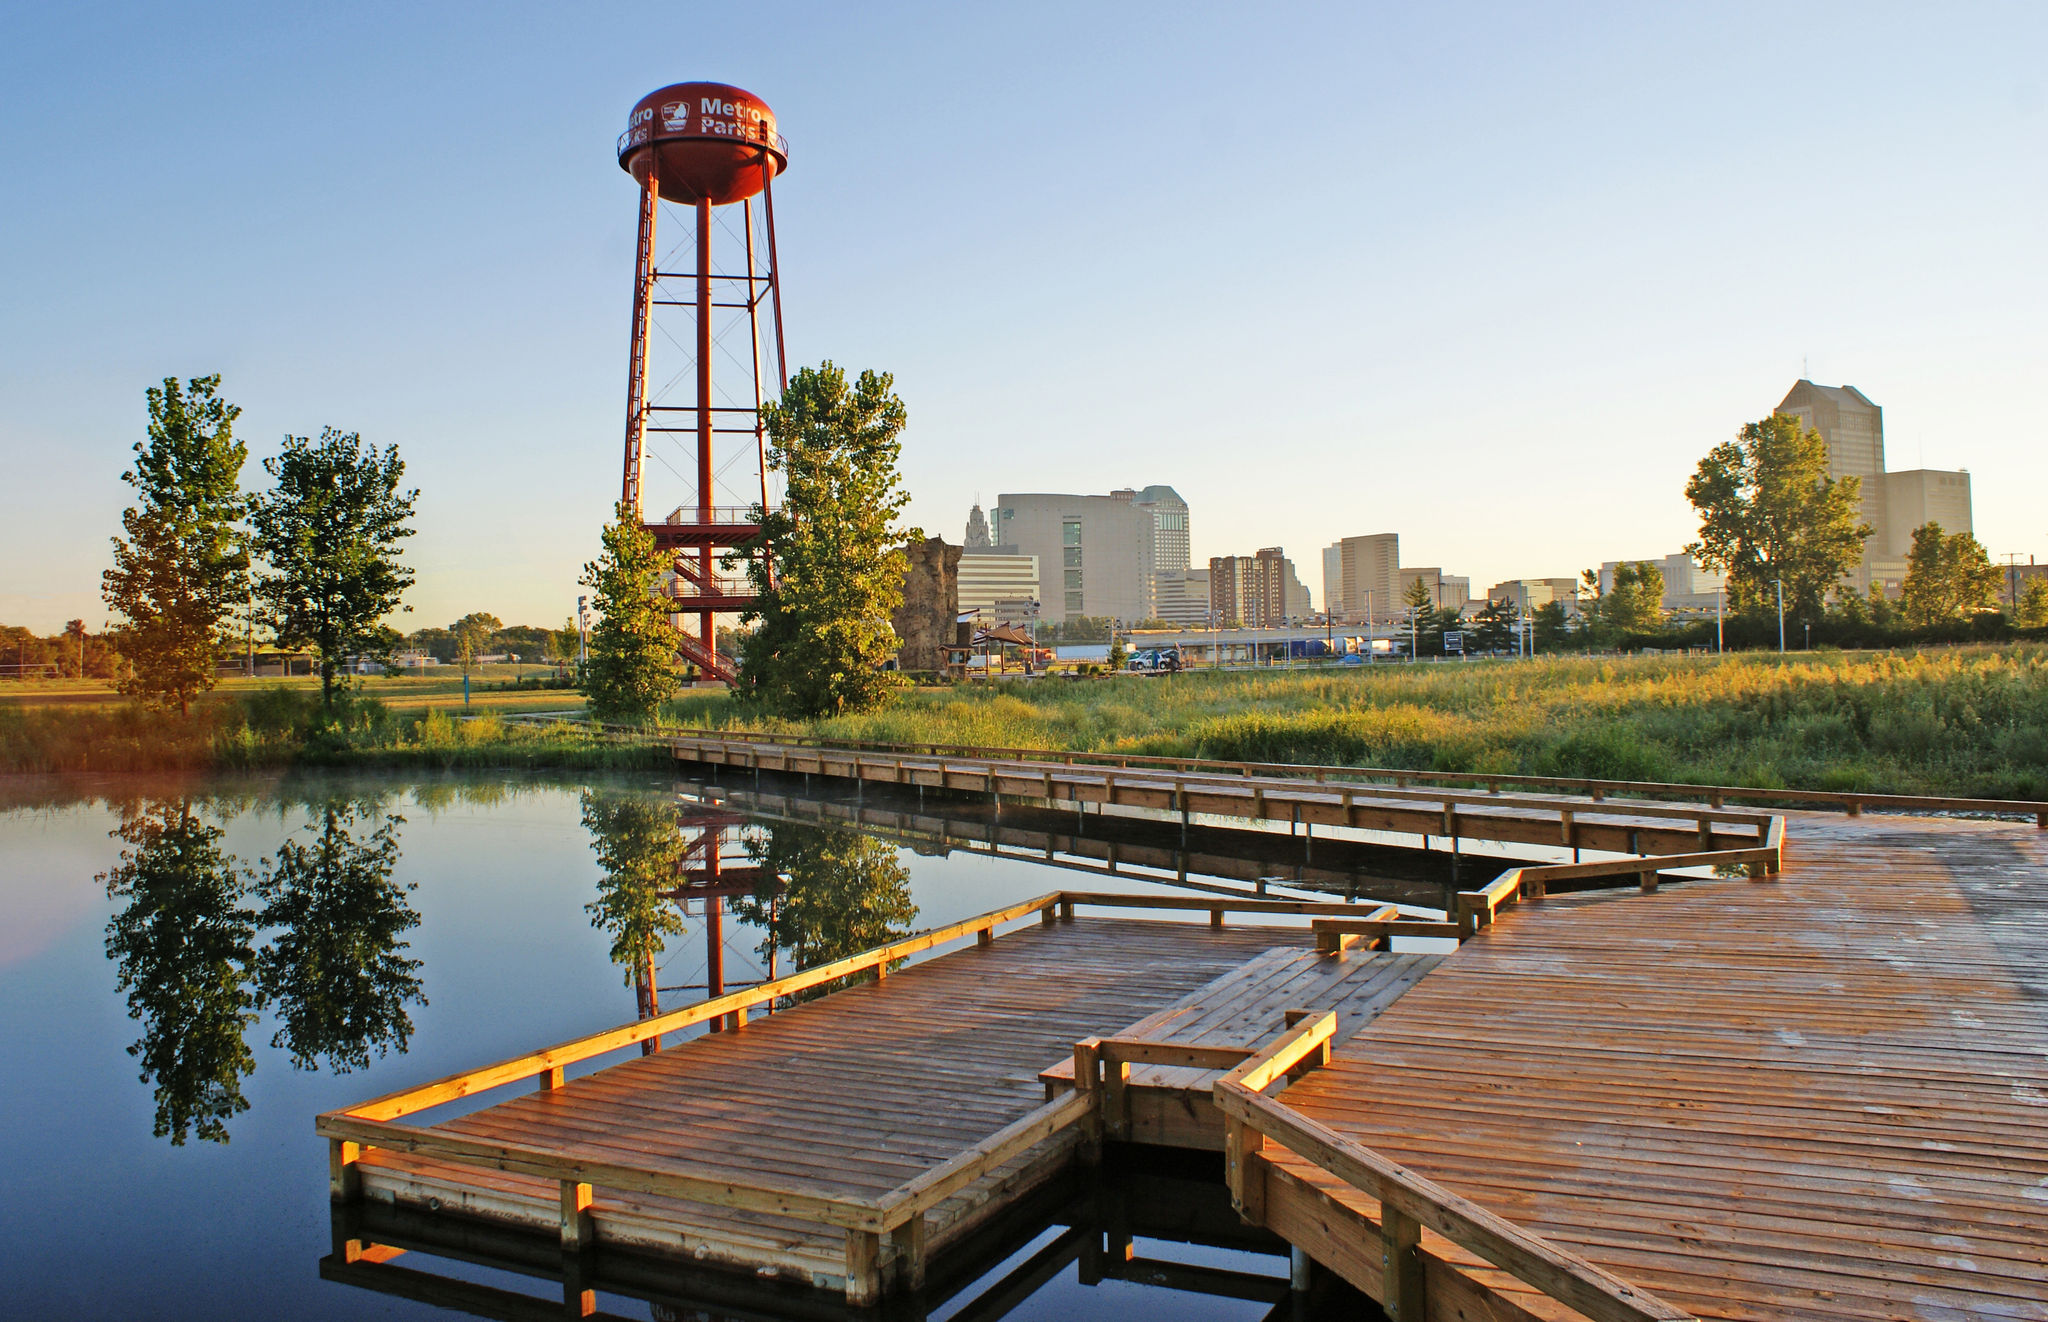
point(1820, 1095)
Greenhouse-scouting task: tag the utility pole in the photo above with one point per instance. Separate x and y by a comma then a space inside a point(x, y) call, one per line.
point(582, 632)
point(1781, 614)
point(1720, 594)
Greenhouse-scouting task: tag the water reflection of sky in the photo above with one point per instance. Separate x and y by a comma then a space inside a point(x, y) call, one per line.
point(105, 1218)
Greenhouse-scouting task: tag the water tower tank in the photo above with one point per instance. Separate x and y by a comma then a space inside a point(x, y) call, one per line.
point(706, 142)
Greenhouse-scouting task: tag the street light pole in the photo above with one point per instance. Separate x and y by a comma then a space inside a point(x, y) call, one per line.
point(1719, 593)
point(1781, 614)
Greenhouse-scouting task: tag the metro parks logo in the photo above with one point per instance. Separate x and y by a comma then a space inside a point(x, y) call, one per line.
point(677, 116)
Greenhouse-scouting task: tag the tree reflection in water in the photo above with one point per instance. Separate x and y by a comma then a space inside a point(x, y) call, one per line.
point(183, 945)
point(639, 844)
point(185, 950)
point(842, 894)
point(335, 968)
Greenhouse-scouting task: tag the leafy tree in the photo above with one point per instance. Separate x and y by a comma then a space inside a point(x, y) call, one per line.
point(632, 667)
point(1948, 576)
point(336, 971)
point(183, 567)
point(330, 531)
point(639, 844)
point(1851, 608)
point(828, 567)
point(845, 893)
point(1769, 511)
point(1884, 612)
point(1634, 604)
point(437, 643)
point(183, 947)
point(2032, 610)
point(1119, 652)
point(473, 634)
point(1553, 627)
point(561, 644)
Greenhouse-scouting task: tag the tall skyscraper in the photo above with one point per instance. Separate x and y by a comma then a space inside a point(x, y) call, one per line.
point(1256, 591)
point(1333, 580)
point(977, 530)
point(1368, 566)
point(1853, 427)
point(1097, 555)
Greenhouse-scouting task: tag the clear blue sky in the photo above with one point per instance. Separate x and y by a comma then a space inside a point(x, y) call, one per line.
point(1490, 277)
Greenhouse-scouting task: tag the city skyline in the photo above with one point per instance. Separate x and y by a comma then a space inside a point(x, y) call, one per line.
point(1542, 287)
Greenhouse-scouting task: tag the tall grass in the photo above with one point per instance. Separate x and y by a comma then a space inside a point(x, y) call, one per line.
point(1965, 721)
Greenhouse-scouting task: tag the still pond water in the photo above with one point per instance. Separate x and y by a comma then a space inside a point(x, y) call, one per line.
point(190, 972)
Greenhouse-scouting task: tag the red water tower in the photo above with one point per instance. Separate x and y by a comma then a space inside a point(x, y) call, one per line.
point(692, 450)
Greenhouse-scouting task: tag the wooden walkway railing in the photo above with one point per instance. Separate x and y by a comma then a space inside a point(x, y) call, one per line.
point(1408, 1201)
point(1852, 802)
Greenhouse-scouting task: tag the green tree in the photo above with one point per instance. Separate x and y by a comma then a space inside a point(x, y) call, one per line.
point(182, 945)
point(632, 667)
point(562, 643)
point(1884, 612)
point(330, 531)
point(1948, 576)
point(336, 970)
point(2032, 610)
point(1421, 606)
point(844, 893)
point(473, 634)
point(183, 567)
point(1553, 627)
point(1634, 604)
point(828, 567)
point(1493, 628)
point(639, 844)
point(1769, 512)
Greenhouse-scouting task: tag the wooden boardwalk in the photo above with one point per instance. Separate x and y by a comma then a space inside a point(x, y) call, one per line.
point(1822, 1095)
point(848, 1098)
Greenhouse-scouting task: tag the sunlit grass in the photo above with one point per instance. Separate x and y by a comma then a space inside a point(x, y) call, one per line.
point(1954, 720)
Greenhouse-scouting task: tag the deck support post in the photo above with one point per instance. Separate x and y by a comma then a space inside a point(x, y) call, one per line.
point(344, 1179)
point(1646, 882)
point(1244, 1169)
point(1300, 1269)
point(1401, 1278)
point(910, 1252)
point(548, 1079)
point(577, 1232)
point(863, 1252)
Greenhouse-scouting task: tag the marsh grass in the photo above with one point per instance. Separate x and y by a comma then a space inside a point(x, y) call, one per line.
point(1959, 720)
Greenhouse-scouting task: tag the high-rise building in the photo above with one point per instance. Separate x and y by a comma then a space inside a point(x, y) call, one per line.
point(1333, 580)
point(1182, 597)
point(1686, 585)
point(1853, 427)
point(1256, 591)
point(1098, 555)
point(1531, 593)
point(1366, 569)
point(1450, 592)
point(998, 585)
point(977, 530)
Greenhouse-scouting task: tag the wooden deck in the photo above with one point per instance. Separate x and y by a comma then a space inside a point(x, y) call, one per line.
point(1821, 1095)
point(849, 1097)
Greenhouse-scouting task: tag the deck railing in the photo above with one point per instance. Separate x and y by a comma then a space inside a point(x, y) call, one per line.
point(1409, 1202)
point(898, 1214)
point(1851, 801)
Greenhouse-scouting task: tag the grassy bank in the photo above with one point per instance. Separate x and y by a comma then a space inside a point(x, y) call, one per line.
point(1957, 720)
point(1952, 720)
point(282, 725)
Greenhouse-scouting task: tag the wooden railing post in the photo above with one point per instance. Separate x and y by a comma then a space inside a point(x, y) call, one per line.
point(344, 1179)
point(863, 1256)
point(1244, 1169)
point(1404, 1294)
point(909, 1239)
point(577, 1233)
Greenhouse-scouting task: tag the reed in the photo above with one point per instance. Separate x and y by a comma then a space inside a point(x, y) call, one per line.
point(1950, 720)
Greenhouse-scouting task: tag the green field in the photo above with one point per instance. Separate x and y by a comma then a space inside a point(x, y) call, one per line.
point(1942, 720)
point(1945, 720)
point(438, 688)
